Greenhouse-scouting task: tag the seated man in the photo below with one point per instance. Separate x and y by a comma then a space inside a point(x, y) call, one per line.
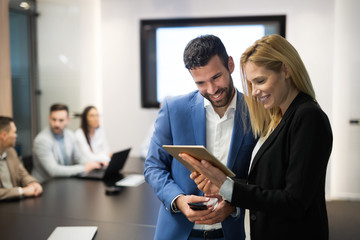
point(15, 181)
point(55, 150)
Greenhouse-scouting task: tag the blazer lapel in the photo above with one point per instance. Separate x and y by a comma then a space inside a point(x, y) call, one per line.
point(300, 98)
point(265, 145)
point(68, 148)
point(57, 152)
point(198, 119)
point(11, 166)
point(237, 134)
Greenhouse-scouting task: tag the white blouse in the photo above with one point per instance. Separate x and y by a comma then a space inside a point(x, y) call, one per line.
point(99, 145)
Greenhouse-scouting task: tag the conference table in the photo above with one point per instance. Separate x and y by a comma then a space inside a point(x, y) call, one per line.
point(131, 214)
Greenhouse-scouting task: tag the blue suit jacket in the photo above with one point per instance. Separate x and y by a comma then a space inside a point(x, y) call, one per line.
point(182, 121)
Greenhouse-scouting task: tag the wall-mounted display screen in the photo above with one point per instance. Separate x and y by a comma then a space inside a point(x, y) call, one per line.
point(163, 73)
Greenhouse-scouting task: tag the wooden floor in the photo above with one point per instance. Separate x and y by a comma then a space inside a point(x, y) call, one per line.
point(344, 220)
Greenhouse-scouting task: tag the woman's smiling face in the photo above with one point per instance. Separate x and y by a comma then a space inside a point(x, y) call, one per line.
point(272, 89)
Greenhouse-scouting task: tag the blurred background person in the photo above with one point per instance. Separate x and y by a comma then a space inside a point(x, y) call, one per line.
point(15, 181)
point(55, 150)
point(91, 138)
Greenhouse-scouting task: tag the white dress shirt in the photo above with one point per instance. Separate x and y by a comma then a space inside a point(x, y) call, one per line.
point(218, 138)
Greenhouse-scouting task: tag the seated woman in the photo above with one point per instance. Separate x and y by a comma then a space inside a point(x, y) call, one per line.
point(91, 138)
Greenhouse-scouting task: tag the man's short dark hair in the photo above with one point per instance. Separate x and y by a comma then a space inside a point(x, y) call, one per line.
point(59, 107)
point(200, 50)
point(5, 123)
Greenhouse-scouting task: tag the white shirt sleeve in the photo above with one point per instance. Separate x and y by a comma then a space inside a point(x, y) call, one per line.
point(227, 188)
point(226, 192)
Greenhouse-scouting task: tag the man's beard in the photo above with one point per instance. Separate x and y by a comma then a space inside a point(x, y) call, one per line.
point(56, 130)
point(224, 101)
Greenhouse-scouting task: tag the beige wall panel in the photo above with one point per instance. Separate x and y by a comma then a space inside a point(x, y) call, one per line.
point(5, 74)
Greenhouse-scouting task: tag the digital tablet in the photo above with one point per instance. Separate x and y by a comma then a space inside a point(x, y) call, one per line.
point(199, 152)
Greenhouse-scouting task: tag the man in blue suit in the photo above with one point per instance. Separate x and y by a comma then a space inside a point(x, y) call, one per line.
point(214, 116)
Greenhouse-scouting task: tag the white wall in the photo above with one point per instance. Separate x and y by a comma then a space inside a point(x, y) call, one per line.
point(309, 28)
point(103, 42)
point(69, 51)
point(345, 180)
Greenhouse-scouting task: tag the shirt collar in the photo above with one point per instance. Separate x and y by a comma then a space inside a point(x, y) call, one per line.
point(3, 156)
point(231, 107)
point(58, 136)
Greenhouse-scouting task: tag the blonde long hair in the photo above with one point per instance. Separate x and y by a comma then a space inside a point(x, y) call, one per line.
point(271, 52)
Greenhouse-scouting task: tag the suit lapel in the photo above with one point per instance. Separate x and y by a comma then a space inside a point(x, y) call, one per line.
point(266, 144)
point(11, 166)
point(237, 134)
point(198, 119)
point(299, 99)
point(68, 149)
point(57, 152)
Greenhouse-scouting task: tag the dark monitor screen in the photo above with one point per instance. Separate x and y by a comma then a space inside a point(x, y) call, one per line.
point(163, 41)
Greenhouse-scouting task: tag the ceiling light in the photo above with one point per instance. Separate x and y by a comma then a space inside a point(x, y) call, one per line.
point(25, 5)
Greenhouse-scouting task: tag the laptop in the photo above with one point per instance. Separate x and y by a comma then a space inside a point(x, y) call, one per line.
point(116, 163)
point(74, 233)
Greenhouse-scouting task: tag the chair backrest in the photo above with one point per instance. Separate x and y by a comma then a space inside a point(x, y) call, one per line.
point(28, 163)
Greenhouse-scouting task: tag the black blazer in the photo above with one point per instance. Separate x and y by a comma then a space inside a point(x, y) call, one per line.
point(285, 190)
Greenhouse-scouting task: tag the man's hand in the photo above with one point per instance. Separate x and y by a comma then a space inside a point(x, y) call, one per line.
point(28, 191)
point(91, 166)
point(192, 215)
point(222, 211)
point(33, 189)
point(37, 188)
